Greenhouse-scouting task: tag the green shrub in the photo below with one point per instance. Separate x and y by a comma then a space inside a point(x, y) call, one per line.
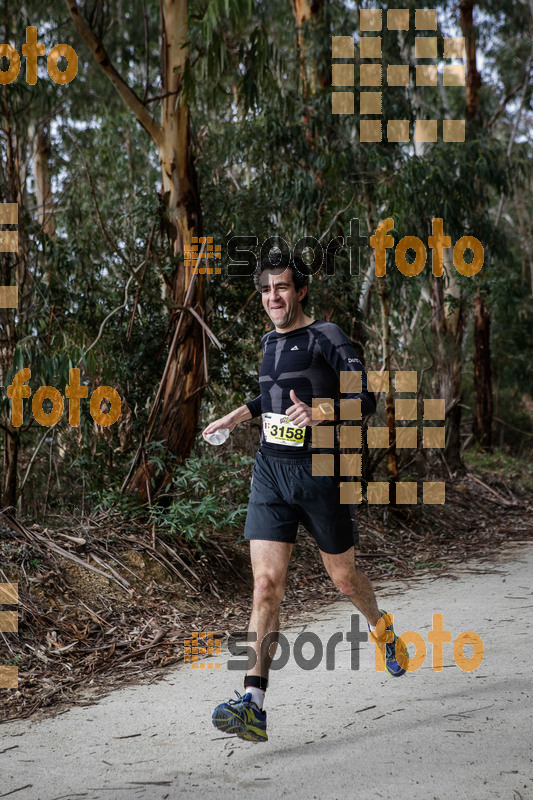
point(207, 493)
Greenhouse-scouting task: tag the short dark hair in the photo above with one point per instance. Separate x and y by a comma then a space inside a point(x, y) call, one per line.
point(298, 268)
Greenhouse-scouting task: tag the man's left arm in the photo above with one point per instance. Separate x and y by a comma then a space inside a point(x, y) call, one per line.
point(340, 353)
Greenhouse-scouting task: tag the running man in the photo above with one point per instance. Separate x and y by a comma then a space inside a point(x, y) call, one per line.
point(302, 359)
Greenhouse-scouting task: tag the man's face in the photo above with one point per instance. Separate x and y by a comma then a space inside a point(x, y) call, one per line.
point(281, 300)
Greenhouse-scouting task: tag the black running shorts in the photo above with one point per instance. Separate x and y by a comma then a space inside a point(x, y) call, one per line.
point(285, 492)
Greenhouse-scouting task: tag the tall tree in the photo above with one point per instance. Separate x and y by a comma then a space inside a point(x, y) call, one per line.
point(13, 267)
point(178, 399)
point(482, 423)
point(43, 187)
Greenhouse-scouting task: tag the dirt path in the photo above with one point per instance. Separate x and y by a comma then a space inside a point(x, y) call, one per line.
point(431, 735)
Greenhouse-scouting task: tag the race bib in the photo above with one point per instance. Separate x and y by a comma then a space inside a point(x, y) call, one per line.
point(278, 429)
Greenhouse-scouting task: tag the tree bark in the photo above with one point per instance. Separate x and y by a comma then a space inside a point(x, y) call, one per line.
point(13, 270)
point(7, 326)
point(310, 74)
point(392, 460)
point(482, 426)
point(177, 405)
point(43, 189)
point(473, 77)
point(448, 327)
point(525, 239)
point(182, 391)
point(11, 453)
point(384, 301)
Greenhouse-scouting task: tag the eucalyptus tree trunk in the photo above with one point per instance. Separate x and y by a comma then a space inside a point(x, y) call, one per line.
point(392, 460)
point(174, 416)
point(473, 77)
point(525, 239)
point(314, 74)
point(182, 391)
point(482, 424)
point(13, 271)
point(448, 328)
point(384, 301)
point(43, 187)
point(311, 75)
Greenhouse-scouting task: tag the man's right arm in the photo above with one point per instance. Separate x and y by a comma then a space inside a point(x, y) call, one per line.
point(240, 414)
point(228, 421)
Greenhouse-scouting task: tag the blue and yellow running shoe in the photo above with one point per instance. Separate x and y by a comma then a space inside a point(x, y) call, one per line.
point(391, 647)
point(241, 717)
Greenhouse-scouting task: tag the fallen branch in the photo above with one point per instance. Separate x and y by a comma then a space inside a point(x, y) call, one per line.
point(492, 491)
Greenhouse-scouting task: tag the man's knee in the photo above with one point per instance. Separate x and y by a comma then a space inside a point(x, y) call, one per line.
point(268, 589)
point(346, 584)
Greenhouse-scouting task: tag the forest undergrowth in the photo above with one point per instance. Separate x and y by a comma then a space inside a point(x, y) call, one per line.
point(108, 599)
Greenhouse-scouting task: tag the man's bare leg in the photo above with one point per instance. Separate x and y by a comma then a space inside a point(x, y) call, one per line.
point(352, 582)
point(270, 561)
point(245, 717)
point(357, 588)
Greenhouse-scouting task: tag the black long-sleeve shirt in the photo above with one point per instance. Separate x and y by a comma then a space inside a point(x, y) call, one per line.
point(308, 360)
